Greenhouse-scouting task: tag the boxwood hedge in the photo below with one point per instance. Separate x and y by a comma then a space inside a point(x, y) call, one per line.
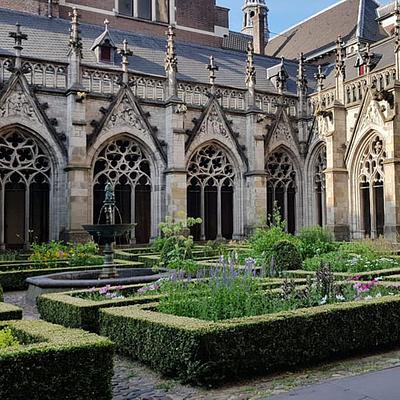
point(9, 312)
point(55, 363)
point(207, 353)
point(74, 312)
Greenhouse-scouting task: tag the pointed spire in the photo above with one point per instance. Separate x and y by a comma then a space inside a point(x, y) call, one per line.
point(340, 57)
point(125, 52)
point(18, 37)
point(212, 68)
point(171, 62)
point(320, 78)
point(251, 75)
point(302, 82)
point(106, 24)
point(75, 40)
point(282, 77)
point(368, 57)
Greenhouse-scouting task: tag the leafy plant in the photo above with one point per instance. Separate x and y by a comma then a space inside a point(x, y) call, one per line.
point(177, 245)
point(314, 241)
point(264, 239)
point(7, 338)
point(287, 256)
point(76, 254)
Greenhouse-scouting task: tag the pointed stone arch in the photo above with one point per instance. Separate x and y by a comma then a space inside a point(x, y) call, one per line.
point(315, 184)
point(215, 191)
point(32, 183)
point(367, 180)
point(214, 125)
point(284, 183)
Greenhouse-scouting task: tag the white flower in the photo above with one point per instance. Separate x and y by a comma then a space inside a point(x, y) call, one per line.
point(323, 300)
point(379, 294)
point(340, 297)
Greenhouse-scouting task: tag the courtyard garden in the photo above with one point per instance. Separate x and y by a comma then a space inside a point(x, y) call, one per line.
point(223, 312)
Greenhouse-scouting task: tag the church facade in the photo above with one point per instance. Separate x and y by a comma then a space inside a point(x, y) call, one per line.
point(195, 120)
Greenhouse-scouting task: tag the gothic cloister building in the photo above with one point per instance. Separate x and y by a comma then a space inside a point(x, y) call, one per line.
point(201, 121)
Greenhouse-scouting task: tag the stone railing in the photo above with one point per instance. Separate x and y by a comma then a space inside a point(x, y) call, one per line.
point(41, 74)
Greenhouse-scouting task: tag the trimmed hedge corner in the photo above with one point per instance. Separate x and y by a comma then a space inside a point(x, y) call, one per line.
point(55, 363)
point(9, 312)
point(208, 353)
point(75, 312)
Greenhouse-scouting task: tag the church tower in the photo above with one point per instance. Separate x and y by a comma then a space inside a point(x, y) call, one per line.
point(253, 10)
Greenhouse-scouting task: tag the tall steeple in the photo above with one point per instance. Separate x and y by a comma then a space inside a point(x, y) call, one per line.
point(251, 10)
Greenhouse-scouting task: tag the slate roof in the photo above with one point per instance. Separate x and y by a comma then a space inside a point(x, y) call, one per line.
point(48, 40)
point(384, 53)
point(348, 18)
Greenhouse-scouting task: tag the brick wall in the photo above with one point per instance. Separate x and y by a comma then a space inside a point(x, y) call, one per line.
point(39, 7)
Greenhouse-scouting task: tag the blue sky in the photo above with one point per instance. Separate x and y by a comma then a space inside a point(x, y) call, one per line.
point(282, 13)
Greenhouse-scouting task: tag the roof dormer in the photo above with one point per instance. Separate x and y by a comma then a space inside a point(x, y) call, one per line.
point(104, 46)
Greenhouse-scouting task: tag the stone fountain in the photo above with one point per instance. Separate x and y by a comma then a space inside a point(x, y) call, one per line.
point(108, 232)
point(109, 274)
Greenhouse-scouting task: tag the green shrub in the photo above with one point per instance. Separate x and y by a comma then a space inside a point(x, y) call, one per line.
point(208, 353)
point(69, 310)
point(77, 254)
point(9, 312)
point(7, 339)
point(314, 241)
point(176, 245)
point(1, 294)
point(287, 256)
point(52, 362)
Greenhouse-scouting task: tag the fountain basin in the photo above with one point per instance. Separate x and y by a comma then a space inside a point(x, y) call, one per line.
point(60, 282)
point(105, 231)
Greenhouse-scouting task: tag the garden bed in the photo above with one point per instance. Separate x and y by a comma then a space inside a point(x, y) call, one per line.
point(209, 353)
point(9, 312)
point(73, 311)
point(52, 362)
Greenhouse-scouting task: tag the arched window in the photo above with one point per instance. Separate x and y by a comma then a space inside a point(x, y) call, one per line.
point(123, 163)
point(25, 180)
point(320, 186)
point(281, 187)
point(211, 180)
point(371, 181)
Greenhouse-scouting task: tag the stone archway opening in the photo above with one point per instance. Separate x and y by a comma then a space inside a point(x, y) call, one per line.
point(320, 187)
point(25, 184)
point(123, 163)
point(371, 185)
point(282, 187)
point(210, 193)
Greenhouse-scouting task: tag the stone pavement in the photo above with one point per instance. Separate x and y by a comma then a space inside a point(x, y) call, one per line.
point(381, 385)
point(342, 380)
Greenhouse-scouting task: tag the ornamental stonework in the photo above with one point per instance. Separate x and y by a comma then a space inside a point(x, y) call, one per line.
point(126, 114)
point(18, 104)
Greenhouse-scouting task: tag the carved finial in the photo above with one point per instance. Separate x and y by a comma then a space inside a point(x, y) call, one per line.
point(320, 77)
point(18, 37)
point(302, 82)
point(368, 58)
point(171, 62)
point(396, 31)
point(106, 24)
point(212, 68)
point(251, 75)
point(125, 52)
point(75, 40)
point(340, 57)
point(282, 76)
point(250, 68)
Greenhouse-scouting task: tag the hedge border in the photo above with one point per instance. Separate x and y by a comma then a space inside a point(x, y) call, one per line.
point(74, 312)
point(208, 353)
point(55, 363)
point(9, 312)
